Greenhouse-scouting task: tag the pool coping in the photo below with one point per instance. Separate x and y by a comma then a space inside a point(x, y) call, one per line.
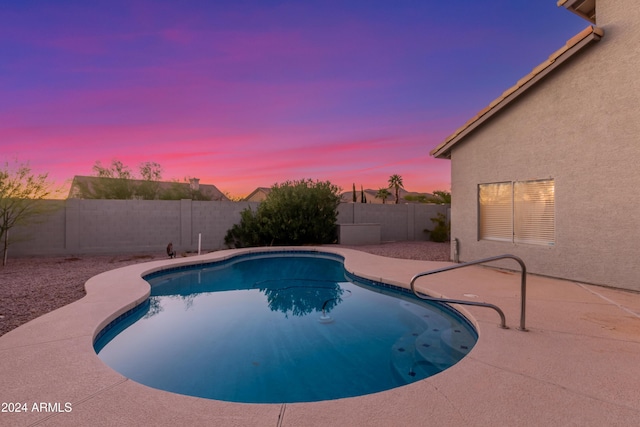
point(576, 365)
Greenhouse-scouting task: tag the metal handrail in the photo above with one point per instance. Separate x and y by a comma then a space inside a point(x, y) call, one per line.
point(523, 287)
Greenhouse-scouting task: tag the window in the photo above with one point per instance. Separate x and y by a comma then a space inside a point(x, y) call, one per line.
point(520, 212)
point(496, 211)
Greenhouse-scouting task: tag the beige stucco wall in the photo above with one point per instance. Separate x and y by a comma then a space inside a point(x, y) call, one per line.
point(581, 127)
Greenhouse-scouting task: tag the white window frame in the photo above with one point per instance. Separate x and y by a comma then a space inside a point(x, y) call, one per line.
point(517, 212)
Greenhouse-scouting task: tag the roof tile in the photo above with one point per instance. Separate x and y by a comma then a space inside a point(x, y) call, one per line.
point(444, 147)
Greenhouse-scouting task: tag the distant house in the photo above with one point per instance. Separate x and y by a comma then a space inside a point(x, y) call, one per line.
point(549, 171)
point(258, 195)
point(93, 187)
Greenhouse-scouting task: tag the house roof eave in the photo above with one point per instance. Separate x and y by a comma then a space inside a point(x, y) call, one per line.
point(583, 8)
point(573, 46)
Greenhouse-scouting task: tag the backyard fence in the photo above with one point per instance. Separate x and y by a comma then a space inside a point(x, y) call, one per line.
point(79, 226)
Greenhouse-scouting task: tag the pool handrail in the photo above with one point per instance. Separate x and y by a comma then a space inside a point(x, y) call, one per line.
point(523, 287)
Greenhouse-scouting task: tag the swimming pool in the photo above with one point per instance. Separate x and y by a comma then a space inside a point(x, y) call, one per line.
point(279, 328)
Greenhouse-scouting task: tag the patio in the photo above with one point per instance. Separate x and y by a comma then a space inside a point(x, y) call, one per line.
point(576, 365)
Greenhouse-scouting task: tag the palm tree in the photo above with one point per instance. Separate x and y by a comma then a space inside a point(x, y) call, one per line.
point(383, 193)
point(395, 181)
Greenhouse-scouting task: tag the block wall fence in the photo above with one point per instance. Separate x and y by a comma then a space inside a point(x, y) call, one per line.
point(78, 226)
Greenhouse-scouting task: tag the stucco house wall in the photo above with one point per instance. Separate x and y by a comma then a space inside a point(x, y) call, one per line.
point(580, 125)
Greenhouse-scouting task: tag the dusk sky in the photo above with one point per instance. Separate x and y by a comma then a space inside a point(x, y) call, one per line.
point(247, 93)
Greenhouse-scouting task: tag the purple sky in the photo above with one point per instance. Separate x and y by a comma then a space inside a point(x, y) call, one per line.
point(247, 93)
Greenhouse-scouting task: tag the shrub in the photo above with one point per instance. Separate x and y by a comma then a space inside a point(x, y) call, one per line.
point(246, 233)
point(441, 229)
point(294, 213)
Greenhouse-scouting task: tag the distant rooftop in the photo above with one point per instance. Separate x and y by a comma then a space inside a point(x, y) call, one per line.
point(258, 195)
point(209, 191)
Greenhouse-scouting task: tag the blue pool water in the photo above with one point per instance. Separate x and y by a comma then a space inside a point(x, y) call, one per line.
point(279, 328)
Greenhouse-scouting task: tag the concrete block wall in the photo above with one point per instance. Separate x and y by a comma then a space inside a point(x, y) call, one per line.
point(402, 222)
point(46, 234)
point(75, 226)
point(213, 221)
point(359, 234)
point(117, 224)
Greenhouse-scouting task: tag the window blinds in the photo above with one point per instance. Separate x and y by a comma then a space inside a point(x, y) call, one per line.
point(521, 212)
point(496, 211)
point(534, 212)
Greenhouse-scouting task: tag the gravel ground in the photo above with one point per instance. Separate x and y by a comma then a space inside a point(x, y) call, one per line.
point(31, 287)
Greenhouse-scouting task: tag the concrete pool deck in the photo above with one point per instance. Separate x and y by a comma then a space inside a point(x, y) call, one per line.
point(578, 364)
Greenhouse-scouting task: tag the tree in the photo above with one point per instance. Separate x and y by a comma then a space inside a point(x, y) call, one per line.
point(20, 193)
point(294, 213)
point(114, 182)
point(149, 188)
point(383, 194)
point(150, 171)
point(395, 182)
point(117, 170)
point(441, 197)
point(355, 198)
point(363, 197)
point(418, 198)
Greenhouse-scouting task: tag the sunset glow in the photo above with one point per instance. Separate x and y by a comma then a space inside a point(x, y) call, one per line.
point(244, 94)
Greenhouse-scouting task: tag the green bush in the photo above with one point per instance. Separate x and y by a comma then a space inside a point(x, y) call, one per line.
point(441, 229)
point(246, 233)
point(294, 213)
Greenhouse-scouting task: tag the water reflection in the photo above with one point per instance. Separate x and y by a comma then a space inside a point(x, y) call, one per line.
point(155, 302)
point(296, 286)
point(155, 307)
point(297, 297)
point(300, 297)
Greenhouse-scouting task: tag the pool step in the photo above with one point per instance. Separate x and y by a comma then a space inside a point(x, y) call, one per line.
point(408, 365)
point(457, 341)
point(432, 350)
